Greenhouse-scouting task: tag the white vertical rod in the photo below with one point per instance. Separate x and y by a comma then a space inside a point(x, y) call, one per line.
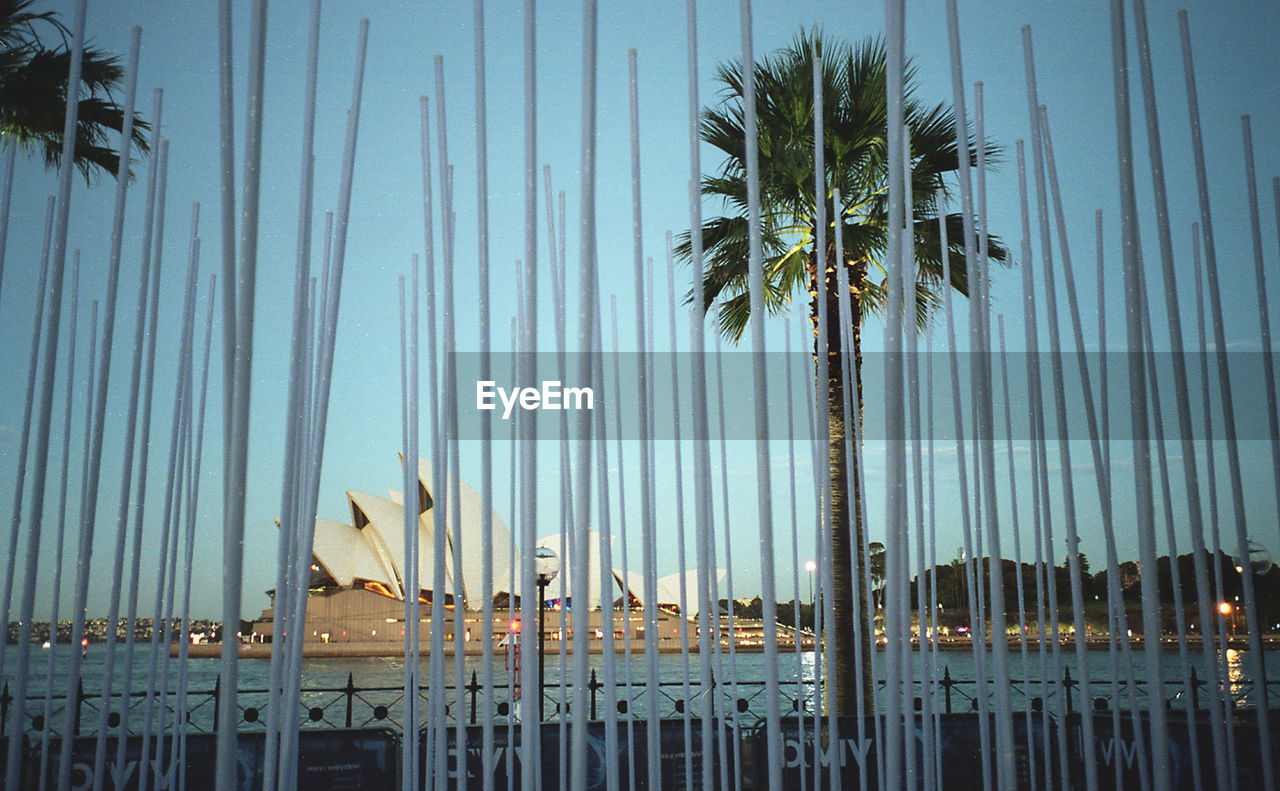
point(983, 471)
point(907, 281)
point(1103, 391)
point(794, 529)
point(409, 470)
point(934, 603)
point(986, 432)
point(163, 621)
point(814, 694)
point(296, 415)
point(1102, 476)
point(144, 375)
point(486, 428)
point(681, 564)
point(1064, 448)
point(68, 402)
point(1224, 698)
point(24, 443)
point(1104, 420)
point(130, 432)
point(513, 646)
point(321, 378)
point(922, 773)
point(983, 467)
point(559, 288)
point(558, 296)
point(1264, 316)
point(1068, 488)
point(227, 204)
point(433, 409)
point(648, 525)
point(437, 733)
point(622, 529)
point(608, 591)
point(1138, 393)
point(1175, 575)
point(589, 346)
point(318, 320)
point(732, 624)
point(1042, 525)
point(1017, 551)
point(413, 547)
point(113, 281)
point(453, 481)
point(977, 628)
point(822, 352)
point(704, 520)
point(1257, 668)
point(530, 601)
point(237, 356)
point(864, 699)
point(764, 507)
point(189, 546)
point(40, 453)
point(174, 482)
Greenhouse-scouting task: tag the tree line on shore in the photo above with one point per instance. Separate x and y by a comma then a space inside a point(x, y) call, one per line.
point(95, 629)
point(952, 581)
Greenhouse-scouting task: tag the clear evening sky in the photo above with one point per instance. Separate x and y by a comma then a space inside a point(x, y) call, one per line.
point(1238, 66)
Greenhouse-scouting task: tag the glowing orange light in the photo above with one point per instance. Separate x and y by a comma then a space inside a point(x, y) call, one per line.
point(1225, 608)
point(515, 626)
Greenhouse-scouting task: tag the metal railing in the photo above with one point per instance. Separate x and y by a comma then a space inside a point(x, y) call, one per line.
point(742, 703)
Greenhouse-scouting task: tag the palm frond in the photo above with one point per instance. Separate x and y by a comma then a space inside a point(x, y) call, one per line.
point(855, 118)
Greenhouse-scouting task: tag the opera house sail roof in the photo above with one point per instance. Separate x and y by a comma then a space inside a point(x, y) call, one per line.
point(368, 552)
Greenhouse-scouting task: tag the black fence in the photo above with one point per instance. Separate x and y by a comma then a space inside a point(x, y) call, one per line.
point(740, 703)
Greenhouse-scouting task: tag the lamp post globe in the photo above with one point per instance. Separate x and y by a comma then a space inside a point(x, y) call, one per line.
point(1260, 561)
point(546, 564)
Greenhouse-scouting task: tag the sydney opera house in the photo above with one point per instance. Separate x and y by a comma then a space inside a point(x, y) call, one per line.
point(357, 593)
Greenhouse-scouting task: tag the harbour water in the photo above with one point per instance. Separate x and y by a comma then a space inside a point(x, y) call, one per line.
point(747, 669)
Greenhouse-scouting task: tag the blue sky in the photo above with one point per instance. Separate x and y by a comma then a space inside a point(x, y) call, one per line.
point(1237, 65)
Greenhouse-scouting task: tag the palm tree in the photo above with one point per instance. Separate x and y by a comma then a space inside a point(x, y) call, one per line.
point(856, 160)
point(33, 94)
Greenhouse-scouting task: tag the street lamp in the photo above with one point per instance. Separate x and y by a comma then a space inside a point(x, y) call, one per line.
point(1260, 561)
point(1226, 609)
point(546, 564)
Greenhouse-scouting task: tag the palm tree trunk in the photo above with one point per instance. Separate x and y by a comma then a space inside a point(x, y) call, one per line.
point(847, 531)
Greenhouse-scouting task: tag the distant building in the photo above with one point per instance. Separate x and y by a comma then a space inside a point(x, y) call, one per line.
point(359, 580)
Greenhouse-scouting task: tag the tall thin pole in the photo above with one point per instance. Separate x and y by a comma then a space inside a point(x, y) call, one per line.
point(49, 359)
point(704, 522)
point(117, 233)
point(1228, 404)
point(587, 340)
point(144, 375)
point(68, 402)
point(486, 428)
point(24, 443)
point(764, 494)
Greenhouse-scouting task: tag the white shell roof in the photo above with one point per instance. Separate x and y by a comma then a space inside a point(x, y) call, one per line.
point(346, 556)
point(372, 548)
